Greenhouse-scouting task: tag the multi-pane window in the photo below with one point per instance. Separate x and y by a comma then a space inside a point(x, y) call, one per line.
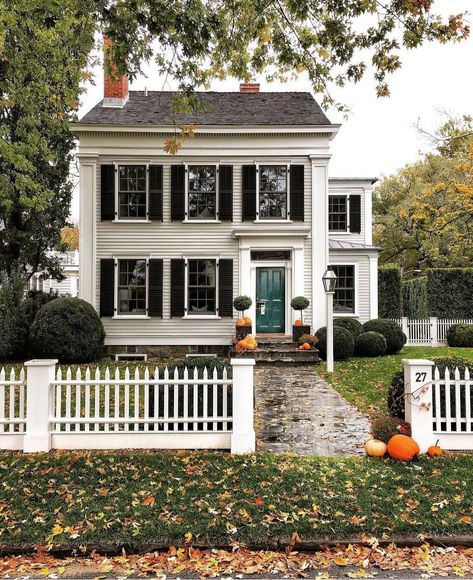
point(202, 196)
point(338, 213)
point(132, 191)
point(202, 287)
point(273, 192)
point(132, 287)
point(344, 298)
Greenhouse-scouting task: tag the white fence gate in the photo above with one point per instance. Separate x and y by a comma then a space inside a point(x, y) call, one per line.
point(439, 406)
point(56, 409)
point(428, 331)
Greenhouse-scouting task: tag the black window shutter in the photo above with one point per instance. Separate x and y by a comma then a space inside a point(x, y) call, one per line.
point(156, 192)
point(225, 288)
point(177, 287)
point(296, 180)
point(178, 177)
point(225, 212)
point(355, 214)
point(155, 288)
point(107, 192)
point(107, 287)
point(248, 192)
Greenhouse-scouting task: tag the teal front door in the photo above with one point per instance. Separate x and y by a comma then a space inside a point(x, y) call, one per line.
point(270, 302)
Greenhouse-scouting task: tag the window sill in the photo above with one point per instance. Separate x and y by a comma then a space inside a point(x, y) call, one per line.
point(131, 317)
point(273, 222)
point(201, 317)
point(346, 315)
point(339, 232)
point(201, 222)
point(125, 221)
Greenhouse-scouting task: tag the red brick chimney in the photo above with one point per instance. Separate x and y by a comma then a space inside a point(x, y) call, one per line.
point(115, 90)
point(249, 88)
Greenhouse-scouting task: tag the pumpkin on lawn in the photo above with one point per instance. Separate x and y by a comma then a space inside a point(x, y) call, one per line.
point(240, 322)
point(403, 448)
point(375, 448)
point(298, 322)
point(435, 450)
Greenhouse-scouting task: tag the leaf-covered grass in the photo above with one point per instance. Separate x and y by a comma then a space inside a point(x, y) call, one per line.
point(143, 499)
point(364, 381)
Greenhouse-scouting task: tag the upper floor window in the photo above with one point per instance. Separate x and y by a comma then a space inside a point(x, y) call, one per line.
point(202, 287)
point(132, 286)
point(132, 191)
point(344, 297)
point(202, 192)
point(338, 213)
point(273, 192)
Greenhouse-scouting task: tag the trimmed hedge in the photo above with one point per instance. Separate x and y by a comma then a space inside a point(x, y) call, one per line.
point(396, 401)
point(68, 329)
point(460, 335)
point(414, 298)
point(343, 343)
point(449, 292)
point(389, 292)
point(371, 344)
point(354, 327)
point(394, 336)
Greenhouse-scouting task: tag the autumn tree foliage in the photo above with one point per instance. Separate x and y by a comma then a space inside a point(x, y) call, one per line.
point(45, 48)
point(70, 237)
point(424, 212)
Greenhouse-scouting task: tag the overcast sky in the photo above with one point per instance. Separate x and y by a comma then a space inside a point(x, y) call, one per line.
point(379, 135)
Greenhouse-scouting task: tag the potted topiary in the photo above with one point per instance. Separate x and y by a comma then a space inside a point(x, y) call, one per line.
point(243, 324)
point(299, 328)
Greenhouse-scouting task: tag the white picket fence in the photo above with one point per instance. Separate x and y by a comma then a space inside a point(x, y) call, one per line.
point(439, 406)
point(428, 331)
point(54, 408)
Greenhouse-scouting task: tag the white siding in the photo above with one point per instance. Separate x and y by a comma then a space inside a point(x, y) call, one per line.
point(168, 240)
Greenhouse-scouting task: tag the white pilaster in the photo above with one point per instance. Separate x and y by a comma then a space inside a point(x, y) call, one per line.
point(368, 216)
point(319, 238)
point(298, 277)
point(87, 227)
point(373, 286)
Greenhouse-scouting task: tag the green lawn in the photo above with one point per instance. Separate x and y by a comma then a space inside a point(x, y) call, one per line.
point(144, 499)
point(364, 381)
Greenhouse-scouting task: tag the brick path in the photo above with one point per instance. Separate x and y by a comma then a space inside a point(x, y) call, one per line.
point(297, 411)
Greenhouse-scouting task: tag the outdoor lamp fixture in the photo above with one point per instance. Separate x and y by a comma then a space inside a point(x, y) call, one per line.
point(329, 280)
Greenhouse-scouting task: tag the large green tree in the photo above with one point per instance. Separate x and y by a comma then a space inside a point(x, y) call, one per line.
point(424, 213)
point(45, 47)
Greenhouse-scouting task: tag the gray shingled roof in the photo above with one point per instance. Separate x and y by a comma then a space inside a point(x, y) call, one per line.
point(221, 109)
point(339, 245)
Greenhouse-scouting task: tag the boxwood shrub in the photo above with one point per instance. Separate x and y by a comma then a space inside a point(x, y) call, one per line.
point(353, 326)
point(396, 403)
point(394, 336)
point(370, 344)
point(343, 343)
point(460, 335)
point(68, 329)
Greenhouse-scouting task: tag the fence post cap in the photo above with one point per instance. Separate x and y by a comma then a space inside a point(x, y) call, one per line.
point(241, 362)
point(410, 362)
point(41, 362)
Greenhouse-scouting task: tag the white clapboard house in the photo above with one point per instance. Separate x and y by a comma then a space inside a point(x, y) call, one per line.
point(245, 207)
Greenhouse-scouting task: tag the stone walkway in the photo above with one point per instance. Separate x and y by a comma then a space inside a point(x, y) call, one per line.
point(297, 411)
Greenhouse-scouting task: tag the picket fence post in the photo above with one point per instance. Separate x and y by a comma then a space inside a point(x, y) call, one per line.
point(405, 327)
point(418, 400)
point(40, 375)
point(434, 331)
point(243, 438)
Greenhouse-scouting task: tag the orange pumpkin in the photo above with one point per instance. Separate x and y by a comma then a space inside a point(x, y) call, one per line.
point(435, 450)
point(300, 347)
point(403, 448)
point(298, 322)
point(252, 345)
point(240, 322)
point(247, 320)
point(306, 346)
point(375, 448)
